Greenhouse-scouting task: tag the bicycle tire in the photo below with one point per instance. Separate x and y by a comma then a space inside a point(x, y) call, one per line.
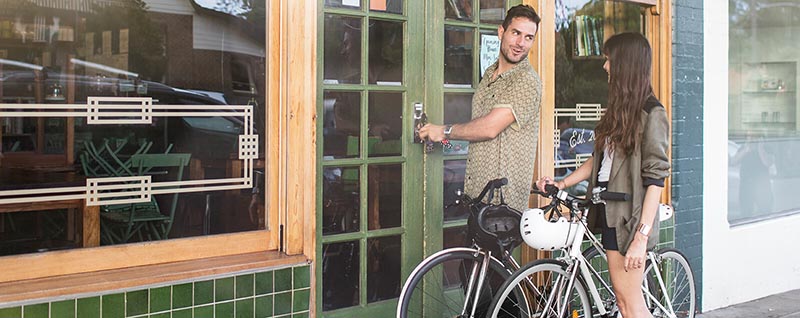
point(600, 264)
point(679, 282)
point(443, 294)
point(550, 272)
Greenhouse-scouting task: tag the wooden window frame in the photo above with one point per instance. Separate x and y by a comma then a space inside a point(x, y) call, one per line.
point(290, 184)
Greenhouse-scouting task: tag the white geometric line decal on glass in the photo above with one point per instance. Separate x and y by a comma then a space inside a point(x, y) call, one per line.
point(103, 191)
point(581, 112)
point(121, 190)
point(248, 146)
point(572, 163)
point(589, 112)
point(556, 137)
point(119, 110)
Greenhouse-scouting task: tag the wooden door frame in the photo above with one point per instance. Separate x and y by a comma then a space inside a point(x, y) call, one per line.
point(541, 57)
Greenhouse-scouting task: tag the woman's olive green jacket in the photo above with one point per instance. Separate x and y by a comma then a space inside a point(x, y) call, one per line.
point(647, 165)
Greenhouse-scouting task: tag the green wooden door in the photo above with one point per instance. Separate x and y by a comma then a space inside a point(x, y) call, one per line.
point(380, 197)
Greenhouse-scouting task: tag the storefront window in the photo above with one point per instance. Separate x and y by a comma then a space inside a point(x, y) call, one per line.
point(763, 139)
point(168, 75)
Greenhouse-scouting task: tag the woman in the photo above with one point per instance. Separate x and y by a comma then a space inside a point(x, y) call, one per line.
point(629, 156)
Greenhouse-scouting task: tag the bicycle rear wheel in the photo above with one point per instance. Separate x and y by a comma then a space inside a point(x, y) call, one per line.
point(438, 286)
point(678, 295)
point(546, 286)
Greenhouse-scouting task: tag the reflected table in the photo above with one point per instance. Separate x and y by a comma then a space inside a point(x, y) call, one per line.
point(25, 179)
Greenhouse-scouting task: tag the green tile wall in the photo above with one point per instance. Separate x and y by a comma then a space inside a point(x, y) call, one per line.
point(279, 293)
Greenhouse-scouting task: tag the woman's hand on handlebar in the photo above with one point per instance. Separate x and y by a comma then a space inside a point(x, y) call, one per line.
point(542, 182)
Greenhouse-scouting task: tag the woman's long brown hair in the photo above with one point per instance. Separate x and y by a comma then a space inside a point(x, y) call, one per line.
point(629, 87)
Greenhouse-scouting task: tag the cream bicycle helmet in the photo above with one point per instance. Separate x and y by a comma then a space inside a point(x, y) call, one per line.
point(545, 235)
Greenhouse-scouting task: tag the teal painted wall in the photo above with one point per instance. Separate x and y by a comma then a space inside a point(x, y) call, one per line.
point(274, 293)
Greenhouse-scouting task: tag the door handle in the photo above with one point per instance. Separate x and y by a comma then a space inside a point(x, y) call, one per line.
point(420, 119)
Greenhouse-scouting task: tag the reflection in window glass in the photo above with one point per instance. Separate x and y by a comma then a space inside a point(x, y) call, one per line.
point(342, 50)
point(458, 9)
point(581, 83)
point(763, 139)
point(341, 124)
point(384, 256)
point(493, 11)
point(457, 109)
point(385, 124)
point(390, 6)
point(351, 4)
point(458, 49)
point(340, 275)
point(453, 183)
point(63, 54)
point(384, 200)
point(385, 52)
point(340, 200)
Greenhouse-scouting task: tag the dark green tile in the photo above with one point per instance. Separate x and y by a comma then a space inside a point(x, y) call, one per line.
point(223, 310)
point(244, 308)
point(204, 312)
point(183, 313)
point(223, 289)
point(182, 295)
point(37, 311)
point(300, 300)
point(62, 309)
point(113, 306)
point(244, 285)
point(264, 306)
point(89, 307)
point(135, 302)
point(302, 278)
point(303, 315)
point(160, 299)
point(263, 283)
point(203, 292)
point(283, 303)
point(161, 315)
point(283, 279)
point(13, 312)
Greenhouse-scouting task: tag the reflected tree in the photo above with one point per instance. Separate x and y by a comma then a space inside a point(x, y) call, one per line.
point(146, 53)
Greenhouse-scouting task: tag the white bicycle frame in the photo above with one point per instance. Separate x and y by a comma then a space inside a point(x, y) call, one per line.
point(574, 256)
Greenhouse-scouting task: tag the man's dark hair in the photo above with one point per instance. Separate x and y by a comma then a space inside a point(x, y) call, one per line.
point(521, 11)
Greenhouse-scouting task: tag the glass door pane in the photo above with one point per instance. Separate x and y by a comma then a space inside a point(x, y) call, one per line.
point(581, 83)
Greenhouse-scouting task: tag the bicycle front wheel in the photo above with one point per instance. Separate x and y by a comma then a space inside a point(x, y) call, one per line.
point(670, 285)
point(549, 293)
point(438, 287)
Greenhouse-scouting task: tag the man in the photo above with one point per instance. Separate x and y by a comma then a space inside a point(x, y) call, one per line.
point(504, 128)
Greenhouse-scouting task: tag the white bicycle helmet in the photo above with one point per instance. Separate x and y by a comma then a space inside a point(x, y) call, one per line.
point(544, 235)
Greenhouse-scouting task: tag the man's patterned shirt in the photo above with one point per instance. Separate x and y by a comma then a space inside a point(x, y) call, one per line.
point(513, 152)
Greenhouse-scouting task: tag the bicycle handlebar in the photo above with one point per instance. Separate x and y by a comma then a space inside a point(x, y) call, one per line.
point(491, 185)
point(614, 196)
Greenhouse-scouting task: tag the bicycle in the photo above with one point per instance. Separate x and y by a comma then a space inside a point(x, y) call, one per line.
point(461, 281)
point(563, 286)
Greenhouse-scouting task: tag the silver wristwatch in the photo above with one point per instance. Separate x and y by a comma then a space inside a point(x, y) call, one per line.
point(447, 130)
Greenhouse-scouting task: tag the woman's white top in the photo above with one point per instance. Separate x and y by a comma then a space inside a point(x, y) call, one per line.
point(605, 166)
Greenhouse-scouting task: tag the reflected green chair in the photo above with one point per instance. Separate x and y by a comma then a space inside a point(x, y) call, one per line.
point(145, 220)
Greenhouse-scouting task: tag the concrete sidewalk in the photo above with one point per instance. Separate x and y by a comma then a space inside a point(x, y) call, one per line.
point(785, 305)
